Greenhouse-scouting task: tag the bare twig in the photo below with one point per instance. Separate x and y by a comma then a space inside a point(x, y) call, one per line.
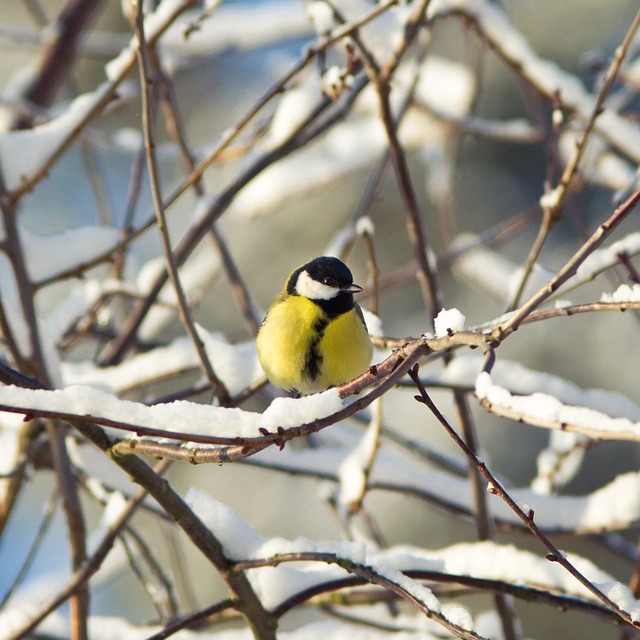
point(526, 593)
point(217, 386)
point(552, 211)
point(176, 130)
point(43, 527)
point(193, 620)
point(568, 270)
point(369, 574)
point(76, 529)
point(82, 575)
point(496, 488)
point(101, 98)
point(427, 274)
point(59, 54)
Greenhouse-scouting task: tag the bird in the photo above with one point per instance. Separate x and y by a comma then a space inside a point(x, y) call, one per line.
point(314, 335)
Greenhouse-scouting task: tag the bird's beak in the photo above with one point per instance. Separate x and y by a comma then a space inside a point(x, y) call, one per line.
point(352, 288)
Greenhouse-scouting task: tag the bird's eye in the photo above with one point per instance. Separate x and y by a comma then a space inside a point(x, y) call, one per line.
point(330, 282)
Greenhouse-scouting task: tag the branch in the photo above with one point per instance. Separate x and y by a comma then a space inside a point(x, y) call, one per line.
point(100, 99)
point(568, 270)
point(172, 269)
point(93, 563)
point(496, 488)
point(553, 201)
point(59, 53)
point(76, 529)
point(381, 78)
point(390, 579)
point(527, 593)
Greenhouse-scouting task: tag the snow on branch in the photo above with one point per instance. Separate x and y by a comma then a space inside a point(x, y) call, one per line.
point(545, 75)
point(191, 420)
point(215, 147)
point(544, 410)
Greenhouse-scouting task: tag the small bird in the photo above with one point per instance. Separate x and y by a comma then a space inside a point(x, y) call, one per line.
point(314, 335)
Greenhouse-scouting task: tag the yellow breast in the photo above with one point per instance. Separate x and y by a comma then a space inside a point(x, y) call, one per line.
point(300, 348)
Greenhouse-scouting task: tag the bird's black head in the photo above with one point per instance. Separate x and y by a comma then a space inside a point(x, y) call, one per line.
point(327, 281)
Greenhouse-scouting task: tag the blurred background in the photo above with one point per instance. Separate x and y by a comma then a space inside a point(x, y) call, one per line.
point(466, 183)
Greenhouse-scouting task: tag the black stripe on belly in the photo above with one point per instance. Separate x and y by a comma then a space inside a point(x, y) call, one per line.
point(313, 358)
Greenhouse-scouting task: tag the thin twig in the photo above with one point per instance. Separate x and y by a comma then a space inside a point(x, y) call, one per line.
point(43, 527)
point(156, 596)
point(568, 270)
point(381, 78)
point(101, 98)
point(368, 574)
point(552, 211)
point(373, 269)
point(496, 488)
point(76, 528)
point(217, 386)
point(192, 620)
point(94, 562)
point(163, 597)
point(485, 525)
point(177, 132)
point(526, 593)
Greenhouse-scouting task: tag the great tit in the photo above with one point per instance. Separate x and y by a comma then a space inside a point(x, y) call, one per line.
point(314, 335)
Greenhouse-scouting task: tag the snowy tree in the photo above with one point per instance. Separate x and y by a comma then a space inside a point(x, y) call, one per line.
point(164, 166)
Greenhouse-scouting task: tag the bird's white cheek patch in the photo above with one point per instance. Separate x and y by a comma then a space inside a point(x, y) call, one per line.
point(310, 288)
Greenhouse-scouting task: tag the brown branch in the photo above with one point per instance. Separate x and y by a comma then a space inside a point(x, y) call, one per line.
point(176, 130)
point(237, 283)
point(192, 620)
point(374, 273)
point(156, 591)
point(381, 79)
point(59, 54)
point(76, 530)
point(101, 98)
point(384, 375)
point(217, 386)
point(496, 488)
point(526, 593)
point(82, 575)
point(367, 574)
point(552, 211)
point(568, 270)
point(34, 360)
point(485, 525)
